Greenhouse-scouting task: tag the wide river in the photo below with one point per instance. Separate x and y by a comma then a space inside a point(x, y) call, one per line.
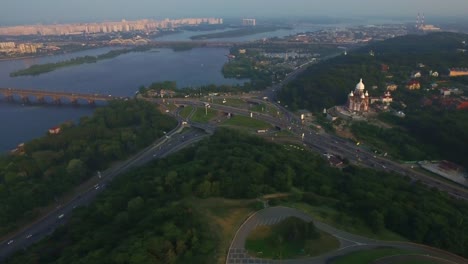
point(120, 76)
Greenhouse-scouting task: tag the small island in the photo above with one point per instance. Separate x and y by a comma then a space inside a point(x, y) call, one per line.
point(38, 69)
point(238, 32)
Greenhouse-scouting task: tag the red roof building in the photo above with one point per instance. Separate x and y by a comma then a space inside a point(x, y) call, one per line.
point(463, 106)
point(54, 130)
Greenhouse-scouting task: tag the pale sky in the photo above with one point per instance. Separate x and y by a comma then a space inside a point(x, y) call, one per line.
point(60, 11)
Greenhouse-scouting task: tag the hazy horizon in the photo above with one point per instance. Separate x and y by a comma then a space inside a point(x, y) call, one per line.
point(58, 11)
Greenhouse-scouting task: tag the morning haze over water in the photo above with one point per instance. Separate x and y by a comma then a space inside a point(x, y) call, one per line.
point(120, 76)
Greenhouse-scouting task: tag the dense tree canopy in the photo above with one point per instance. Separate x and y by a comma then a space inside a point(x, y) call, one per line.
point(327, 84)
point(54, 164)
point(436, 132)
point(142, 216)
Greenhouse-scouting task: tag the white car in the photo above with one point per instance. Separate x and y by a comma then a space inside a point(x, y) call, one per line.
point(61, 216)
point(10, 242)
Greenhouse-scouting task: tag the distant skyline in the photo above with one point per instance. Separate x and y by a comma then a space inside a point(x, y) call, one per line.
point(65, 11)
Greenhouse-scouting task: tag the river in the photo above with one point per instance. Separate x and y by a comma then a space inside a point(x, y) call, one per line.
point(120, 76)
point(300, 28)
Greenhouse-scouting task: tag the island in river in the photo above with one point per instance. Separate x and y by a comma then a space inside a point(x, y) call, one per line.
point(38, 69)
point(240, 32)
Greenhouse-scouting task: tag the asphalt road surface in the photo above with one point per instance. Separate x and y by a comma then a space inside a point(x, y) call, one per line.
point(348, 242)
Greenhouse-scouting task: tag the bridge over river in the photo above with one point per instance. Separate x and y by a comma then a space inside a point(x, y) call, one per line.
point(53, 97)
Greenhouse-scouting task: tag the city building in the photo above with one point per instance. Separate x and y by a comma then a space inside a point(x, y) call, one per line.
point(147, 25)
point(391, 87)
point(358, 100)
point(7, 45)
point(384, 67)
point(416, 75)
point(413, 85)
point(454, 72)
point(387, 98)
point(249, 22)
point(421, 26)
point(54, 130)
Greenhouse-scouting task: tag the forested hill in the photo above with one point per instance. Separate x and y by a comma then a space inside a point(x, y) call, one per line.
point(52, 165)
point(445, 42)
point(327, 84)
point(145, 217)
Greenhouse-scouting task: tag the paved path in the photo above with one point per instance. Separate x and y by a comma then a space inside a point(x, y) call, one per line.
point(348, 242)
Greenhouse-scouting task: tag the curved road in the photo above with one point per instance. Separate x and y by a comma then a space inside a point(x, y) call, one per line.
point(348, 242)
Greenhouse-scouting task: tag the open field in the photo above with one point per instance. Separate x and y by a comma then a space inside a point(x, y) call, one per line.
point(185, 112)
point(263, 243)
point(224, 218)
point(332, 217)
point(247, 122)
point(234, 102)
point(203, 116)
point(368, 256)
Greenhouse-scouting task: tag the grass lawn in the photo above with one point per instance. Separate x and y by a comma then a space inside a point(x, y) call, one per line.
point(201, 115)
point(368, 256)
point(264, 108)
point(235, 102)
point(419, 262)
point(264, 242)
point(185, 112)
point(332, 217)
point(243, 121)
point(283, 133)
point(224, 218)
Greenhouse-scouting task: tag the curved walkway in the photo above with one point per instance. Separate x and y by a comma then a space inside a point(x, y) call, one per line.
point(348, 242)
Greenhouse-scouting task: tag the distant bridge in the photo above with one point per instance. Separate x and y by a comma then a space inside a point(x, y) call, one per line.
point(25, 96)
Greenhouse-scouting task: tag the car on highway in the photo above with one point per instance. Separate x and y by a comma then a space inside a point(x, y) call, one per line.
point(60, 216)
point(29, 236)
point(10, 242)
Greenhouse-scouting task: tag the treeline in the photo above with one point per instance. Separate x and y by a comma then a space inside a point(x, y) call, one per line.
point(425, 133)
point(245, 66)
point(54, 164)
point(428, 133)
point(38, 69)
point(141, 217)
point(328, 83)
point(204, 90)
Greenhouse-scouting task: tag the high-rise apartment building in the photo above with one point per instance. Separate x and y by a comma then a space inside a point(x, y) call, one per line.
point(249, 22)
point(106, 27)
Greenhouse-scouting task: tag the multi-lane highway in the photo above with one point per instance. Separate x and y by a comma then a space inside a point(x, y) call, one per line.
point(174, 140)
point(171, 142)
point(327, 143)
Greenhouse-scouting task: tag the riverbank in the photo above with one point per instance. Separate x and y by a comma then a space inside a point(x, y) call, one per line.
point(38, 69)
point(238, 32)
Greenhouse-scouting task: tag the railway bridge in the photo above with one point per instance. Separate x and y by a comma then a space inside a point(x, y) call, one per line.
point(26, 96)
